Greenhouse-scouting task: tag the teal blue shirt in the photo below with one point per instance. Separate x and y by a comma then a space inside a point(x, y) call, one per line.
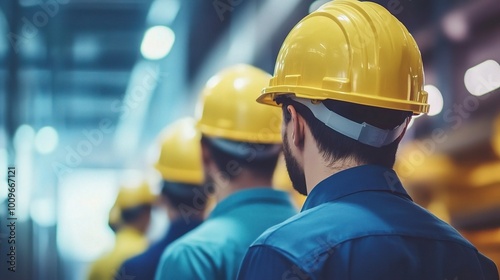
point(215, 249)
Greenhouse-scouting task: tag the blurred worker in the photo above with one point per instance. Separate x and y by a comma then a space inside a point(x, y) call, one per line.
point(349, 76)
point(180, 166)
point(133, 204)
point(240, 147)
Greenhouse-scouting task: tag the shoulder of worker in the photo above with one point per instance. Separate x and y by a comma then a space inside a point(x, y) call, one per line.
point(330, 224)
point(207, 239)
point(196, 255)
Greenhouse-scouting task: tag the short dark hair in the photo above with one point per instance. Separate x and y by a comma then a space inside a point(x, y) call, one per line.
point(336, 146)
point(184, 194)
point(261, 167)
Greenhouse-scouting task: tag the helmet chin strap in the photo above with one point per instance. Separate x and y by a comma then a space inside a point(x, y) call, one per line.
point(362, 132)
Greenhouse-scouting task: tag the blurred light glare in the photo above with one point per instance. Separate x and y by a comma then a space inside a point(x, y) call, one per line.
point(83, 233)
point(86, 48)
point(483, 78)
point(157, 42)
point(3, 174)
point(316, 4)
point(455, 26)
point(43, 212)
point(131, 178)
point(485, 175)
point(163, 11)
point(46, 140)
point(240, 83)
point(435, 100)
point(24, 135)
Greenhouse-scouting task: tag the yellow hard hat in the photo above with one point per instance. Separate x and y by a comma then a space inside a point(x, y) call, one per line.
point(350, 51)
point(115, 218)
point(180, 156)
point(496, 136)
point(132, 196)
point(227, 107)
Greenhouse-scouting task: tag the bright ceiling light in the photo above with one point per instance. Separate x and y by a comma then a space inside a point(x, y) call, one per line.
point(455, 26)
point(24, 136)
point(435, 100)
point(157, 42)
point(46, 140)
point(43, 212)
point(483, 78)
point(163, 11)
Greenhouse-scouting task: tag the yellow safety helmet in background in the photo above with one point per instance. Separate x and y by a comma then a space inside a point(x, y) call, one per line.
point(129, 197)
point(180, 156)
point(495, 141)
point(133, 196)
point(115, 217)
point(350, 51)
point(227, 107)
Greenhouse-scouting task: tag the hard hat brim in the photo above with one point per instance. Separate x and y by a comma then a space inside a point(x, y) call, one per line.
point(265, 137)
point(269, 95)
point(193, 177)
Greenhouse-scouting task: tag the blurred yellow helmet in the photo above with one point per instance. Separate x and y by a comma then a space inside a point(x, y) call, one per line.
point(227, 107)
point(350, 51)
point(496, 136)
point(133, 196)
point(180, 156)
point(115, 218)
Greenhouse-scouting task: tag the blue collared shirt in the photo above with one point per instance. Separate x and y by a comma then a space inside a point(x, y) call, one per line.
point(361, 224)
point(214, 250)
point(143, 266)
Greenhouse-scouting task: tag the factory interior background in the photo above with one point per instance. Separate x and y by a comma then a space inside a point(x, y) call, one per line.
point(86, 86)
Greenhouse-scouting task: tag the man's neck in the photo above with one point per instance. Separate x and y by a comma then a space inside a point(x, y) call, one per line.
point(316, 169)
point(243, 181)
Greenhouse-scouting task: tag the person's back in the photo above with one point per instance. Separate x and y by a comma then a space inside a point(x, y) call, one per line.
point(348, 78)
point(376, 233)
point(240, 149)
point(179, 164)
point(226, 235)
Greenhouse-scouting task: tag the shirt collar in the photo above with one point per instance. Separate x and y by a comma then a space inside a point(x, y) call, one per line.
point(250, 196)
point(353, 180)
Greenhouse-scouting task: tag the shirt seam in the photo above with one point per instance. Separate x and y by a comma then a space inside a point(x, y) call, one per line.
point(283, 253)
point(323, 250)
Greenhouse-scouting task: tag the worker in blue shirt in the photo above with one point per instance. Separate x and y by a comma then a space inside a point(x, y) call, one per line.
point(179, 164)
point(349, 77)
point(240, 147)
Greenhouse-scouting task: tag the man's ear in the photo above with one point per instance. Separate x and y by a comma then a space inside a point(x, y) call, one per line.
point(297, 123)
